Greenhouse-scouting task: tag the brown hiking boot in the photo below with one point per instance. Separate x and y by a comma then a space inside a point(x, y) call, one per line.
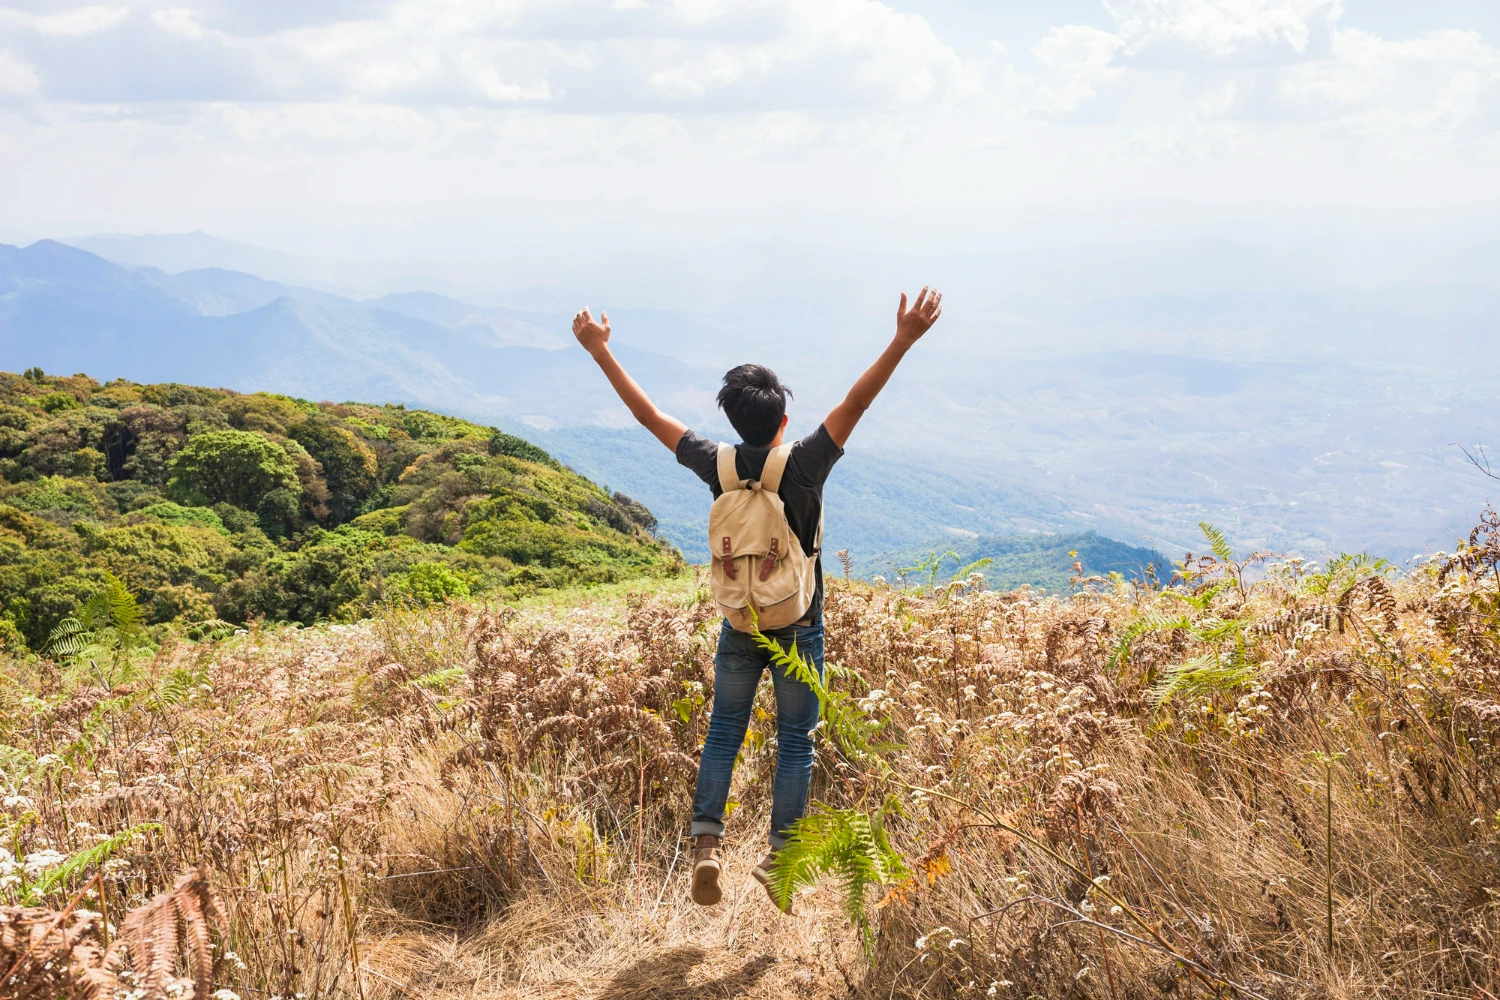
point(706, 870)
point(762, 873)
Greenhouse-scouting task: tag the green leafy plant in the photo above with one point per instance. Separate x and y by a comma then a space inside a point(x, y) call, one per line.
point(108, 633)
point(33, 891)
point(849, 845)
point(932, 566)
point(851, 729)
point(1228, 662)
point(234, 467)
point(1221, 563)
point(428, 583)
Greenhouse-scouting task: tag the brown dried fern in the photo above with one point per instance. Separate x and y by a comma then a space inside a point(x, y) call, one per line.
point(50, 954)
point(144, 955)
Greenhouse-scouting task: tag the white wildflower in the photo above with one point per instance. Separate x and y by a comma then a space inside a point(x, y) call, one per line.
point(39, 861)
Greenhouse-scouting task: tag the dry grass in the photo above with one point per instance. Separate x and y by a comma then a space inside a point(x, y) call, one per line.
point(492, 803)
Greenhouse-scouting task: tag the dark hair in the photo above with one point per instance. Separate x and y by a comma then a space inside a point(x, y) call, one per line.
point(754, 400)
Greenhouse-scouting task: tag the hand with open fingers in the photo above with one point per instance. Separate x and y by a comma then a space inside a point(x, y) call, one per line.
point(594, 336)
point(912, 323)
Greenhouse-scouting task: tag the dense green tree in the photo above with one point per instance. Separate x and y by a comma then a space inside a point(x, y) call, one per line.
point(16, 423)
point(150, 437)
point(427, 583)
point(349, 466)
point(56, 401)
point(233, 467)
point(502, 443)
point(70, 444)
point(278, 511)
point(264, 411)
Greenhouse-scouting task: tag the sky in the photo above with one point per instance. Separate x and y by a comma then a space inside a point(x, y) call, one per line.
point(486, 127)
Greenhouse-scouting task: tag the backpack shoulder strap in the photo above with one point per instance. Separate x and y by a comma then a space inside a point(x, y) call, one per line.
point(729, 477)
point(770, 476)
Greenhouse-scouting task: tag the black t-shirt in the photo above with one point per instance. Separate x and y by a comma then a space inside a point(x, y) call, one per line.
point(801, 491)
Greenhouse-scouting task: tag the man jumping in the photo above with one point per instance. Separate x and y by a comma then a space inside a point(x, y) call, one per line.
point(754, 400)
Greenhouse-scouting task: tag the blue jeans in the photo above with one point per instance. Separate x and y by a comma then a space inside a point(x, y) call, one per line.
point(737, 669)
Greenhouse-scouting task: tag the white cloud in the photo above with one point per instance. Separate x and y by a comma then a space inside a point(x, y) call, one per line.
point(1179, 65)
point(328, 122)
point(488, 81)
point(180, 21)
point(1223, 28)
point(852, 102)
point(16, 77)
point(1434, 81)
point(578, 55)
point(75, 22)
point(1078, 60)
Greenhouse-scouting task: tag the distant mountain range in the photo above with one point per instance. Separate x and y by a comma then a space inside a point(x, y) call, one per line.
point(61, 307)
point(1307, 397)
point(64, 309)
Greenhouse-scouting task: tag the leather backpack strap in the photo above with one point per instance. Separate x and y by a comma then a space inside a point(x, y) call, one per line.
point(729, 477)
point(770, 476)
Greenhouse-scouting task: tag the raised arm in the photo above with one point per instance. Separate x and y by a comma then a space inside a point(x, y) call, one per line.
point(910, 325)
point(594, 336)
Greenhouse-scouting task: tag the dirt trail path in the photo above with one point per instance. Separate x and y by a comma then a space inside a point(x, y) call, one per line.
point(590, 949)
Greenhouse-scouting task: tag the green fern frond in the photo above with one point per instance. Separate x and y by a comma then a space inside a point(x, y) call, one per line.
point(1152, 621)
point(109, 622)
point(15, 762)
point(1202, 600)
point(973, 567)
point(1352, 568)
point(1206, 674)
point(1216, 631)
point(846, 844)
point(67, 639)
point(178, 686)
point(125, 614)
point(440, 681)
point(850, 728)
point(209, 630)
point(1217, 542)
point(98, 854)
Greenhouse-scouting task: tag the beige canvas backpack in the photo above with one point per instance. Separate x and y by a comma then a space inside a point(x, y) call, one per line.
point(757, 558)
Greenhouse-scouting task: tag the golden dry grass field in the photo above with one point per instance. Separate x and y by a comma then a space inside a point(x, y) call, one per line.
point(1276, 781)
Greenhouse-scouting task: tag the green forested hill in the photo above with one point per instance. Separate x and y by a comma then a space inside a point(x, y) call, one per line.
point(209, 503)
point(1036, 559)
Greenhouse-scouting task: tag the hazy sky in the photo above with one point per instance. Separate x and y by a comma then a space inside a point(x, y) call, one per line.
point(479, 125)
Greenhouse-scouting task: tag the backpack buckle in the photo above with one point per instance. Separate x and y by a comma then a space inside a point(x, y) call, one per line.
point(769, 562)
point(729, 558)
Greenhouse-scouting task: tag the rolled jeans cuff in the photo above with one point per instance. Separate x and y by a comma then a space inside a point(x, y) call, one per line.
point(708, 826)
point(777, 841)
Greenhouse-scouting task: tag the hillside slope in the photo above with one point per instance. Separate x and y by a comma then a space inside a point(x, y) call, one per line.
point(210, 503)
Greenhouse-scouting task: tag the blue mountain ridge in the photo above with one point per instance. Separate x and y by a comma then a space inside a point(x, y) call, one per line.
point(67, 310)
